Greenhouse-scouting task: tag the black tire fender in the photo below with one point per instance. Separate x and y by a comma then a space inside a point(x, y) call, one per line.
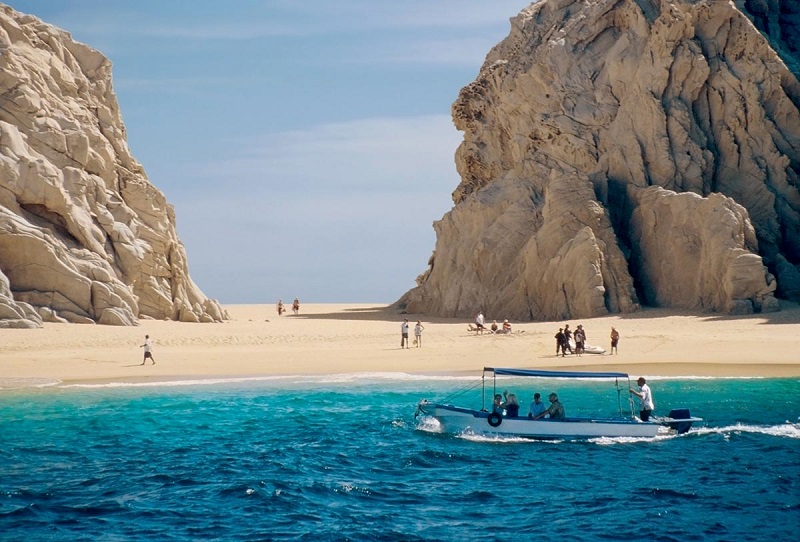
point(494, 419)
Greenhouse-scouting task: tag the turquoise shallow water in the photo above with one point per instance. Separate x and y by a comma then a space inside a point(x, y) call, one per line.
point(342, 458)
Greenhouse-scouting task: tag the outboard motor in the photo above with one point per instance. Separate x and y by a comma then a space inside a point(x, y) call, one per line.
point(680, 414)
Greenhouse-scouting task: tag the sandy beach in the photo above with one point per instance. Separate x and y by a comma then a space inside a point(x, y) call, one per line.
point(364, 338)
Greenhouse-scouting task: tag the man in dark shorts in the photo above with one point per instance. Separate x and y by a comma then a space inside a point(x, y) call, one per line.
point(148, 350)
point(404, 334)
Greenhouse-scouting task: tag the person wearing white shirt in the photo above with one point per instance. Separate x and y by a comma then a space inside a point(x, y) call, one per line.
point(645, 396)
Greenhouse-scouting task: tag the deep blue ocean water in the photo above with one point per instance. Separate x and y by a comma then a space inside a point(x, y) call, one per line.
point(343, 458)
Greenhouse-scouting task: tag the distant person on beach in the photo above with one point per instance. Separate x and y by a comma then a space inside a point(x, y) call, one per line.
point(614, 340)
point(494, 327)
point(580, 339)
point(148, 350)
point(559, 340)
point(506, 326)
point(537, 406)
point(281, 310)
point(418, 329)
point(567, 338)
point(404, 334)
point(645, 396)
point(511, 404)
point(480, 323)
point(555, 411)
point(296, 306)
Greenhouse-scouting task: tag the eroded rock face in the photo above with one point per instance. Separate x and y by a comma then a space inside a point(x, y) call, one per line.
point(84, 236)
point(574, 116)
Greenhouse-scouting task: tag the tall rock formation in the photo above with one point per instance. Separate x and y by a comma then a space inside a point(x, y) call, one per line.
point(84, 236)
point(625, 151)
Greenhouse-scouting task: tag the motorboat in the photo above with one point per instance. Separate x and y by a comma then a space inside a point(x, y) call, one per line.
point(497, 422)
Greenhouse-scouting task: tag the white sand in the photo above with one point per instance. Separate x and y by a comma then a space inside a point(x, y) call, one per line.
point(330, 339)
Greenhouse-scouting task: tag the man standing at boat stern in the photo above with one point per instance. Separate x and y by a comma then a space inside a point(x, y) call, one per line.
point(645, 396)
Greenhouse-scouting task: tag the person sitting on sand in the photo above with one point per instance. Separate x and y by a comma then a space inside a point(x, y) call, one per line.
point(555, 411)
point(494, 326)
point(506, 326)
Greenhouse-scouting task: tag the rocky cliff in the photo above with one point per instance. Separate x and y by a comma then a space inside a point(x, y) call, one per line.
point(84, 236)
point(619, 152)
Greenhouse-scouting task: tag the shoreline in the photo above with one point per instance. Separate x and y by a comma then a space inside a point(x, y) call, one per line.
point(353, 339)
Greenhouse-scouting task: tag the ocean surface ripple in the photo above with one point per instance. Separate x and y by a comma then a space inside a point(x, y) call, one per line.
point(345, 459)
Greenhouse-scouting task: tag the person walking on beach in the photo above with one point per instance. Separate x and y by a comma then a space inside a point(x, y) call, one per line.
point(645, 396)
point(614, 340)
point(418, 329)
point(148, 350)
point(296, 306)
point(404, 334)
point(281, 310)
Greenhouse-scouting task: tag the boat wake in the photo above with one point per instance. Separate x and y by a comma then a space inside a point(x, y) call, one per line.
point(786, 430)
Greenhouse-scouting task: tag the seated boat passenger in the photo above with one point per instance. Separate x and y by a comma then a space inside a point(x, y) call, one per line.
point(497, 406)
point(555, 411)
point(511, 405)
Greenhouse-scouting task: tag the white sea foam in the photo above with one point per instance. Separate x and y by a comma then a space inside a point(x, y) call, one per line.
point(478, 437)
point(429, 424)
point(176, 383)
point(22, 383)
point(343, 378)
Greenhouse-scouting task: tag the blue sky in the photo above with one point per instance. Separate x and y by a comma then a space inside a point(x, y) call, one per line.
point(307, 146)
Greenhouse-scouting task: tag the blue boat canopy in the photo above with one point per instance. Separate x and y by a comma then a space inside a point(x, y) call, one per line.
point(552, 374)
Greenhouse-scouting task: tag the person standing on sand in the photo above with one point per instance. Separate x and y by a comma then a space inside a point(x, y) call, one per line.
point(148, 350)
point(480, 323)
point(418, 329)
point(559, 340)
point(296, 306)
point(614, 340)
point(280, 308)
point(404, 334)
point(567, 338)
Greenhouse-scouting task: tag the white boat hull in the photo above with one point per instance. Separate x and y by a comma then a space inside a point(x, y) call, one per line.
point(458, 420)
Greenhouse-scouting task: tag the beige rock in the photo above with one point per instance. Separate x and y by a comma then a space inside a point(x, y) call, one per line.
point(84, 236)
point(698, 253)
point(585, 105)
